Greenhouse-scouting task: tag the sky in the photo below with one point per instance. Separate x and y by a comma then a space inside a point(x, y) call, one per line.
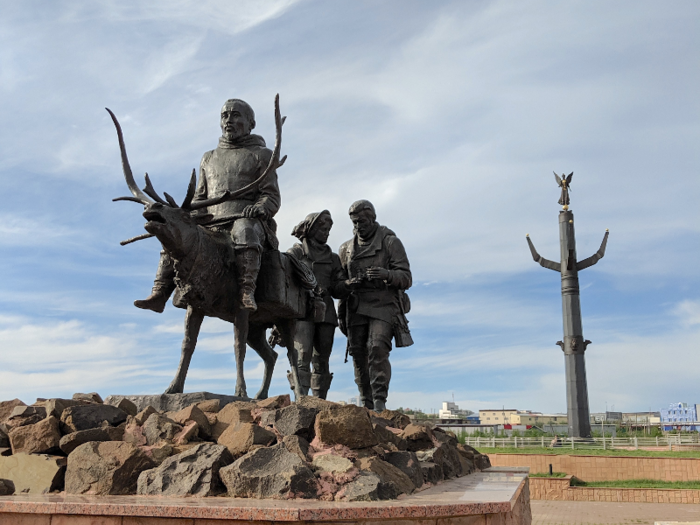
point(449, 116)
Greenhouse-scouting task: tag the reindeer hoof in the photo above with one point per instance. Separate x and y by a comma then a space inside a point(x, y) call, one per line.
point(173, 389)
point(263, 394)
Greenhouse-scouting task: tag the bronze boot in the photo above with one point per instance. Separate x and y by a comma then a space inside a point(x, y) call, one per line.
point(320, 383)
point(163, 286)
point(248, 266)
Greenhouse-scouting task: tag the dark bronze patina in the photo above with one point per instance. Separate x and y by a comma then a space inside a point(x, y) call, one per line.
point(573, 345)
point(217, 241)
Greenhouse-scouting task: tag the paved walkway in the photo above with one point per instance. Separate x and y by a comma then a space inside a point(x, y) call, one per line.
point(604, 513)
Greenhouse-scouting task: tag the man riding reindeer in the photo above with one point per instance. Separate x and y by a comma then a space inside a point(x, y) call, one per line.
point(238, 160)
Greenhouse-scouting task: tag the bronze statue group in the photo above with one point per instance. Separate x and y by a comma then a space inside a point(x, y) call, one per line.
point(368, 275)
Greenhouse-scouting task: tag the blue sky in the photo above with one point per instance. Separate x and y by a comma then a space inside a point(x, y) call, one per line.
point(449, 116)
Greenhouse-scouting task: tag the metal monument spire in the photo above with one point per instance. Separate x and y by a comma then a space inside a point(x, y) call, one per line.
point(573, 345)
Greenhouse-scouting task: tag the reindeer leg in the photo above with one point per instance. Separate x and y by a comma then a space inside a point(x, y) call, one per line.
point(287, 327)
point(258, 342)
point(193, 322)
point(240, 331)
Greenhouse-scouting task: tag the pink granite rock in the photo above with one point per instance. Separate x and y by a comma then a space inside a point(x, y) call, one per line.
point(7, 488)
point(6, 408)
point(39, 438)
point(269, 472)
point(388, 473)
point(192, 413)
point(240, 438)
point(110, 467)
point(160, 428)
point(418, 437)
point(194, 472)
point(347, 425)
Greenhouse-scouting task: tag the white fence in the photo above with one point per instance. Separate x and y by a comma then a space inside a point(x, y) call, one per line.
point(669, 441)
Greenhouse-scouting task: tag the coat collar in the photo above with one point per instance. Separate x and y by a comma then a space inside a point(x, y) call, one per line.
point(368, 250)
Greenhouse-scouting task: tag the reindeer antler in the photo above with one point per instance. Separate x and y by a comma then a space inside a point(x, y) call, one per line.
point(138, 195)
point(275, 162)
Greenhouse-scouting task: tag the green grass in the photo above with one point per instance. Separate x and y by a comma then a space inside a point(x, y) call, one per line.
point(637, 484)
point(588, 452)
point(548, 475)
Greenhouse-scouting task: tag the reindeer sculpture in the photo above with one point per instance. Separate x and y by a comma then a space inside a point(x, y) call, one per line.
point(206, 278)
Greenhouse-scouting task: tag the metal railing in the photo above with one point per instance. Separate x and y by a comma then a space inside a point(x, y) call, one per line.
point(669, 441)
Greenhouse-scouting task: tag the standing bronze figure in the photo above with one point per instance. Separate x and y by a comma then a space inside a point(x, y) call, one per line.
point(313, 341)
point(377, 274)
point(212, 246)
point(573, 345)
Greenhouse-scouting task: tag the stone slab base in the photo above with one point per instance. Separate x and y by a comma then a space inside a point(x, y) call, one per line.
point(498, 497)
point(173, 402)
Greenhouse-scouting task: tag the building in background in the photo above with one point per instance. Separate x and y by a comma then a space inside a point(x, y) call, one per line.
point(537, 419)
point(496, 416)
point(678, 416)
point(606, 417)
point(450, 410)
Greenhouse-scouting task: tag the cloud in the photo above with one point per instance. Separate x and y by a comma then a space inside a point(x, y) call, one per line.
point(449, 118)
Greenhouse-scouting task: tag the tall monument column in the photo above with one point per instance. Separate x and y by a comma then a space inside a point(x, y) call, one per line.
point(573, 345)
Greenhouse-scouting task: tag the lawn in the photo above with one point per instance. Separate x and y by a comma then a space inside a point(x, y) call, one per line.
point(637, 484)
point(592, 452)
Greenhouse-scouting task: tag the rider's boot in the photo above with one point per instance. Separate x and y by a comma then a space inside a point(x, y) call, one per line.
point(163, 286)
point(320, 383)
point(248, 266)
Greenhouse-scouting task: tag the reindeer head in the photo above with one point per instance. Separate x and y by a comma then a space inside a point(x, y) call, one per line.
point(175, 226)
